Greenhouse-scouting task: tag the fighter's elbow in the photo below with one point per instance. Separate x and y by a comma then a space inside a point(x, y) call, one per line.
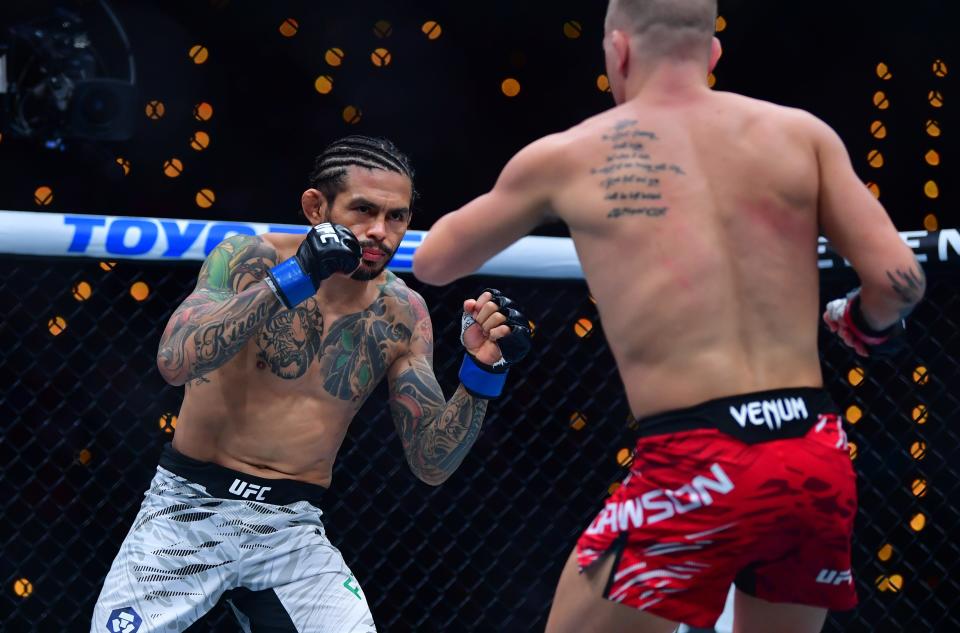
point(430, 476)
point(430, 271)
point(172, 377)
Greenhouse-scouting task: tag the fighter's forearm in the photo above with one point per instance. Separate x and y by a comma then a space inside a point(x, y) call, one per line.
point(436, 433)
point(887, 301)
point(208, 329)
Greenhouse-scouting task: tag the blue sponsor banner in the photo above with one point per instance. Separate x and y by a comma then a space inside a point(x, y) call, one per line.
point(162, 239)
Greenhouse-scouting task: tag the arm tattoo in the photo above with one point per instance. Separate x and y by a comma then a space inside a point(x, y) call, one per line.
point(227, 307)
point(909, 286)
point(436, 435)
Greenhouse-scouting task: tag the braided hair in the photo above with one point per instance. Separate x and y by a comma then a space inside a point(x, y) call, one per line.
point(330, 167)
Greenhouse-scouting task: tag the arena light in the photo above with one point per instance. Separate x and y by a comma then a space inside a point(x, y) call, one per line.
point(918, 450)
point(935, 97)
point(883, 72)
point(875, 158)
point(289, 27)
point(334, 56)
point(918, 522)
point(381, 57)
point(199, 54)
point(172, 167)
point(352, 115)
point(874, 189)
point(920, 414)
point(43, 196)
point(856, 376)
point(57, 325)
point(854, 414)
point(572, 29)
point(84, 457)
point(577, 421)
point(880, 100)
point(431, 29)
point(510, 87)
point(932, 157)
point(931, 223)
point(81, 291)
point(140, 291)
point(203, 111)
point(919, 487)
point(22, 588)
point(933, 128)
point(885, 553)
point(878, 130)
point(199, 141)
point(931, 189)
point(603, 83)
point(108, 266)
point(382, 29)
point(168, 423)
point(155, 109)
point(205, 198)
point(124, 165)
point(323, 84)
point(583, 327)
point(854, 451)
point(625, 457)
point(940, 68)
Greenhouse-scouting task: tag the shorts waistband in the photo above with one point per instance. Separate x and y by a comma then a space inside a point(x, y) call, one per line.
point(224, 483)
point(754, 417)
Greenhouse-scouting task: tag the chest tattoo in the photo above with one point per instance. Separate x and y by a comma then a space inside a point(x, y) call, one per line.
point(290, 341)
point(358, 349)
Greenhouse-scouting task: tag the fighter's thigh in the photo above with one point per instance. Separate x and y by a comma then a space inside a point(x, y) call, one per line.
point(579, 605)
point(166, 575)
point(322, 594)
point(752, 614)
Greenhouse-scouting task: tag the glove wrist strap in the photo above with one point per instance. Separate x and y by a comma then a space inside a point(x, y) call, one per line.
point(291, 285)
point(481, 380)
point(869, 335)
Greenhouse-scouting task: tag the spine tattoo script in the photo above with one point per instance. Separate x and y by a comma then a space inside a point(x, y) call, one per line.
point(631, 177)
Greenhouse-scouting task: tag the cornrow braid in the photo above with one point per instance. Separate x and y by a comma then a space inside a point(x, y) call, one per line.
point(330, 167)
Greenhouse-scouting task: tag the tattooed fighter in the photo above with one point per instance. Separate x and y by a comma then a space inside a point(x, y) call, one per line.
point(695, 215)
point(279, 345)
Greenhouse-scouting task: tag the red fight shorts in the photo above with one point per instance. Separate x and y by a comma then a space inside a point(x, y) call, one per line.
point(756, 489)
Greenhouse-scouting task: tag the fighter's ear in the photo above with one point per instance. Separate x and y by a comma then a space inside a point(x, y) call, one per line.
point(620, 43)
point(716, 52)
point(314, 205)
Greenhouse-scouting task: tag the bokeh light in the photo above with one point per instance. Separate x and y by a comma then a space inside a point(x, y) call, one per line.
point(583, 327)
point(22, 588)
point(510, 87)
point(431, 29)
point(572, 29)
point(577, 421)
point(853, 414)
point(856, 376)
point(199, 53)
point(323, 84)
point(205, 198)
point(155, 109)
point(289, 27)
point(140, 291)
point(172, 167)
point(203, 111)
point(352, 115)
point(334, 56)
point(81, 291)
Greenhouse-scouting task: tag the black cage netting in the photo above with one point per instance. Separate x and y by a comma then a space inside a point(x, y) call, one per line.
point(84, 414)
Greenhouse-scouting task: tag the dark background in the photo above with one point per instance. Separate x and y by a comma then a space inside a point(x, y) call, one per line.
point(440, 100)
point(483, 552)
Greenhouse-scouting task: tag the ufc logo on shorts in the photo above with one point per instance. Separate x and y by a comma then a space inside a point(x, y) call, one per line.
point(326, 233)
point(245, 490)
point(834, 577)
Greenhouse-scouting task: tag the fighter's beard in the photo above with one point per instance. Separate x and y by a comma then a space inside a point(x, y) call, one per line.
point(364, 273)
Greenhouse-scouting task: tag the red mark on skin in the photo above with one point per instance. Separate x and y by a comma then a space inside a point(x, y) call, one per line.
point(678, 276)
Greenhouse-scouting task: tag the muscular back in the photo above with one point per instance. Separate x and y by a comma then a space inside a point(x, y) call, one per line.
point(696, 225)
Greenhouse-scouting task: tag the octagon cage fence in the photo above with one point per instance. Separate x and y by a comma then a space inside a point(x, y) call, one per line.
point(85, 413)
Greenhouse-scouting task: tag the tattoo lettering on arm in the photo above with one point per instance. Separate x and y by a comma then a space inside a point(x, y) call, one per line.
point(909, 285)
point(436, 435)
point(631, 176)
point(227, 307)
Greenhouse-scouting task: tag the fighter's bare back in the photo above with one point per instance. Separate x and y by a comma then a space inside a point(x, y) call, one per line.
point(710, 207)
point(281, 407)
